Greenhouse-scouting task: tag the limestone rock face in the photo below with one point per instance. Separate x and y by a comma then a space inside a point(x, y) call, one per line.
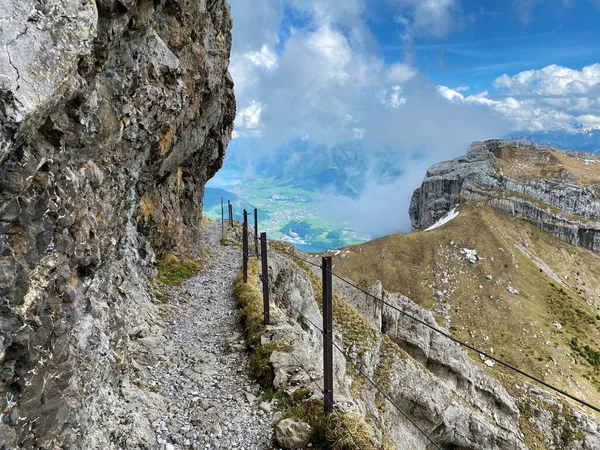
point(459, 404)
point(456, 403)
point(529, 182)
point(467, 408)
point(113, 115)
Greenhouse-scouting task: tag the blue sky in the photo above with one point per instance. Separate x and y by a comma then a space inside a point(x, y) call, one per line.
point(423, 78)
point(503, 38)
point(541, 55)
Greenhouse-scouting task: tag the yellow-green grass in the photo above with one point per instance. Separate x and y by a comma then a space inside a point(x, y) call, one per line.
point(336, 431)
point(548, 164)
point(586, 172)
point(250, 301)
point(519, 328)
point(173, 270)
point(260, 363)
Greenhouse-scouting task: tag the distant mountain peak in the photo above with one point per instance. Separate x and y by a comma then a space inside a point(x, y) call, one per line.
point(574, 136)
point(556, 190)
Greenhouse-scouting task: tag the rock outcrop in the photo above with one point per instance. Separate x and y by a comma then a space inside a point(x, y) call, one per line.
point(113, 115)
point(557, 191)
point(292, 433)
point(456, 403)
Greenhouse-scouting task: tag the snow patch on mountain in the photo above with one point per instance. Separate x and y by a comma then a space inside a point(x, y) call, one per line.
point(447, 218)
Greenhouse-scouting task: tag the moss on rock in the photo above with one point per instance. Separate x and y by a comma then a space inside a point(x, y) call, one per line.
point(173, 270)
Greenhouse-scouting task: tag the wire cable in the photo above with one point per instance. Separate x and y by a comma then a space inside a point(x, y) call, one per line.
point(369, 379)
point(331, 404)
point(400, 410)
point(247, 255)
point(301, 259)
point(470, 347)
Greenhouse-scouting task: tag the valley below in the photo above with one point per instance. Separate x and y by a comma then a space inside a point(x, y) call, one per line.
point(286, 212)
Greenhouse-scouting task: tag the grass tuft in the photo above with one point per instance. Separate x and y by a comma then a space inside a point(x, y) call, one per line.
point(259, 363)
point(173, 270)
point(250, 300)
point(338, 431)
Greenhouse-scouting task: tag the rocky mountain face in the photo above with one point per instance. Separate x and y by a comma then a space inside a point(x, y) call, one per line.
point(487, 275)
point(113, 115)
point(556, 190)
point(458, 404)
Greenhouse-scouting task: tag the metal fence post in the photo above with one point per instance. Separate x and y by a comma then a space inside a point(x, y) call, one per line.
point(265, 277)
point(230, 214)
point(327, 335)
point(222, 220)
point(256, 231)
point(245, 245)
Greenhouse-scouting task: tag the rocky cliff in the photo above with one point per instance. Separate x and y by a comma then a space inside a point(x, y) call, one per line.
point(555, 190)
point(456, 402)
point(113, 115)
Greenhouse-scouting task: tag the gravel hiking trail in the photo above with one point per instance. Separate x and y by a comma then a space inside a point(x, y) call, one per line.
point(213, 402)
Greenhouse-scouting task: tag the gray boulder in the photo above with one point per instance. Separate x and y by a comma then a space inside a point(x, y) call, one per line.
point(292, 433)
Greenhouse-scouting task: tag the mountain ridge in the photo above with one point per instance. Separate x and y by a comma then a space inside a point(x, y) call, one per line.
point(553, 189)
point(574, 137)
point(507, 287)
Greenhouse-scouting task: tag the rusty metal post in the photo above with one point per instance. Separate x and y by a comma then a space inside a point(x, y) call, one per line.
point(245, 245)
point(256, 231)
point(327, 335)
point(222, 220)
point(265, 277)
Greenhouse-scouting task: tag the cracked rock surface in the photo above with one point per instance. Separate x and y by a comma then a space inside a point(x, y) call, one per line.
point(113, 116)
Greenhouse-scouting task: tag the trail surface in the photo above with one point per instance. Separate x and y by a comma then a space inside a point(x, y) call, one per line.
point(213, 402)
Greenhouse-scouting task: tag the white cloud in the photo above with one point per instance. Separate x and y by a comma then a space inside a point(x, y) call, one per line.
point(328, 68)
point(265, 57)
point(524, 9)
point(359, 133)
point(327, 82)
point(428, 17)
point(462, 88)
point(400, 73)
point(553, 97)
point(589, 120)
point(256, 23)
point(450, 94)
point(392, 97)
point(343, 12)
point(247, 122)
point(332, 50)
point(246, 67)
point(552, 80)
point(521, 114)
